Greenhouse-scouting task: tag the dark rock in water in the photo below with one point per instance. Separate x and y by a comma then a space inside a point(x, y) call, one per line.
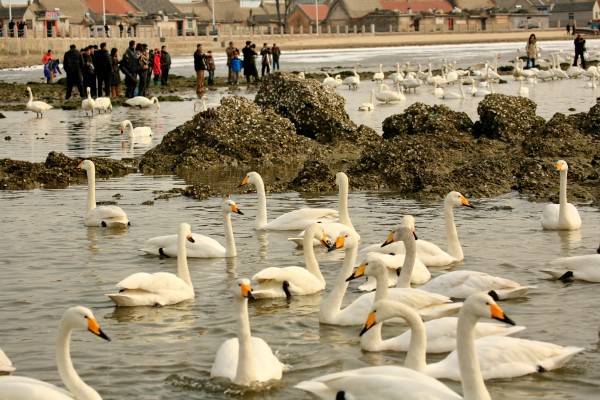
point(590, 121)
point(237, 133)
point(419, 119)
point(316, 111)
point(2, 115)
point(506, 118)
point(316, 176)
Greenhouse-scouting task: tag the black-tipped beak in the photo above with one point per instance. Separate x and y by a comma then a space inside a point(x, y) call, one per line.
point(250, 296)
point(103, 335)
point(415, 235)
point(363, 330)
point(506, 320)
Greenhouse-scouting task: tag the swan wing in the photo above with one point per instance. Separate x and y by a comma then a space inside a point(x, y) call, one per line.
point(266, 365)
point(299, 219)
point(461, 284)
point(430, 254)
point(586, 267)
point(226, 360)
point(40, 106)
point(106, 216)
point(153, 283)
point(299, 281)
point(550, 217)
point(24, 388)
point(507, 357)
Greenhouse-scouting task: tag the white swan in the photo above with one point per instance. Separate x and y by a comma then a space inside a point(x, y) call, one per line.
point(332, 82)
point(245, 359)
point(37, 106)
point(202, 246)
point(392, 265)
point(6, 367)
point(429, 253)
point(160, 288)
point(332, 229)
point(20, 387)
point(379, 76)
point(142, 102)
point(430, 305)
point(523, 91)
point(562, 216)
point(88, 104)
point(368, 106)
point(353, 81)
point(585, 268)
point(294, 281)
point(383, 382)
point(293, 220)
point(103, 103)
point(439, 334)
point(137, 132)
point(385, 95)
point(105, 216)
point(453, 95)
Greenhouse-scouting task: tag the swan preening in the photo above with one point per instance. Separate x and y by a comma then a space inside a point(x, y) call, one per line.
point(405, 383)
point(105, 216)
point(160, 288)
point(88, 104)
point(562, 216)
point(202, 246)
point(293, 220)
point(38, 107)
point(142, 102)
point(137, 132)
point(20, 387)
point(245, 359)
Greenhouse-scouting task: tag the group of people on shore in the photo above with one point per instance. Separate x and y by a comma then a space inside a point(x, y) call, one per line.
point(100, 70)
point(269, 56)
point(533, 51)
point(15, 29)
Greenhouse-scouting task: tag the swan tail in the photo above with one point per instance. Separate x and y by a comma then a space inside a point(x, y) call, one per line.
point(560, 359)
point(131, 298)
point(513, 293)
point(553, 273)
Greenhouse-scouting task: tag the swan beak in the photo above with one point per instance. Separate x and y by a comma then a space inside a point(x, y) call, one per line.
point(465, 202)
point(246, 291)
point(80, 165)
point(415, 235)
point(95, 329)
point(358, 272)
point(190, 238)
point(498, 314)
point(339, 243)
point(371, 321)
point(244, 181)
point(558, 167)
point(236, 210)
point(325, 242)
point(122, 130)
point(390, 239)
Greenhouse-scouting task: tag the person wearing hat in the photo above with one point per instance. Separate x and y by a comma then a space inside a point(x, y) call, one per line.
point(156, 68)
point(200, 67)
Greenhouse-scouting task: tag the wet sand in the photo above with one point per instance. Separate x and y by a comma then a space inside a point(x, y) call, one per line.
point(342, 41)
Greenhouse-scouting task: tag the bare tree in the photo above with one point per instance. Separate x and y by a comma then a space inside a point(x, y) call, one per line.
point(282, 18)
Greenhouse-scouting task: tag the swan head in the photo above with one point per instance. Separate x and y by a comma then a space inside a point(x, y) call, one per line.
point(372, 266)
point(404, 232)
point(124, 124)
point(481, 305)
point(29, 90)
point(561, 165)
point(86, 165)
point(382, 310)
point(82, 318)
point(347, 239)
point(341, 179)
point(243, 289)
point(229, 206)
point(88, 90)
point(456, 199)
point(316, 231)
point(186, 230)
point(251, 178)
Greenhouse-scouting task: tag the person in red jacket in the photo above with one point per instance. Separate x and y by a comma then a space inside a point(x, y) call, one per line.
point(156, 68)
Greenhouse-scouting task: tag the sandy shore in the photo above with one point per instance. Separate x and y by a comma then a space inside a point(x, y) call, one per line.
point(333, 41)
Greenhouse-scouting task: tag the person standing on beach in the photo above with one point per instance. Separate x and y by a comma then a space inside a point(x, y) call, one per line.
point(103, 64)
point(230, 51)
point(157, 68)
point(531, 51)
point(143, 69)
point(210, 68)
point(120, 29)
point(47, 57)
point(579, 50)
point(236, 66)
point(115, 74)
point(275, 52)
point(73, 66)
point(165, 66)
point(199, 67)
point(249, 64)
point(265, 54)
point(128, 66)
point(568, 29)
point(89, 70)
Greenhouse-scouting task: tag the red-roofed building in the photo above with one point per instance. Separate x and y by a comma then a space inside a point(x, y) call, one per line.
point(113, 7)
point(305, 15)
point(417, 6)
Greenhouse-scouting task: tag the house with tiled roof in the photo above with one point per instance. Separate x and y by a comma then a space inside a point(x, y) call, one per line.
point(577, 14)
point(17, 13)
point(305, 15)
point(228, 14)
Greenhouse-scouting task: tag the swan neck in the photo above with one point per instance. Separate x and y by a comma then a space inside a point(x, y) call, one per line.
point(91, 193)
point(563, 196)
point(468, 362)
point(344, 215)
point(182, 264)
point(230, 249)
point(416, 358)
point(381, 287)
point(261, 216)
point(333, 303)
point(69, 376)
point(409, 264)
point(245, 370)
point(454, 247)
point(310, 260)
point(30, 98)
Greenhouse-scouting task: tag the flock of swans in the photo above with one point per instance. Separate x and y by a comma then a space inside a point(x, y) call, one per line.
point(478, 351)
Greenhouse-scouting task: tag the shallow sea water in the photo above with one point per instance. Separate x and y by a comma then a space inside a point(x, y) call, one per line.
point(51, 262)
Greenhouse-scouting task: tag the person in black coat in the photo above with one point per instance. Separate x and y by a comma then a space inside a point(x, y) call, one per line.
point(129, 67)
point(165, 66)
point(579, 50)
point(249, 53)
point(73, 66)
point(103, 65)
point(89, 70)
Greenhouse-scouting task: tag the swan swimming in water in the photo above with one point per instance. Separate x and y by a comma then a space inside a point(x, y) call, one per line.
point(137, 132)
point(38, 107)
point(21, 387)
point(105, 216)
point(585, 268)
point(293, 220)
point(246, 358)
point(562, 216)
point(142, 102)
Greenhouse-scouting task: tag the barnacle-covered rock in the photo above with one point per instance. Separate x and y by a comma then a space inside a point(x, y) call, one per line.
point(316, 111)
point(236, 133)
point(506, 118)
